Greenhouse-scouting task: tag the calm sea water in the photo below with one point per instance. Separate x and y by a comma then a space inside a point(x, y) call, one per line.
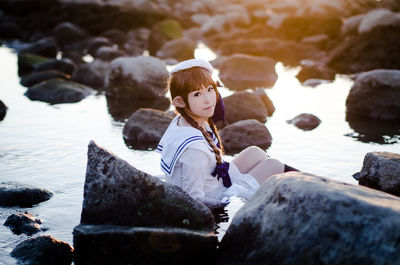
point(46, 145)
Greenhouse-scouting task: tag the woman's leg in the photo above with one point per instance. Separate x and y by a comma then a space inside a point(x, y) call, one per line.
point(266, 168)
point(249, 158)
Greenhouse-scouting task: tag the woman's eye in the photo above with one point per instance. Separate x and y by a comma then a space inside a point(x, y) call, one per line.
point(210, 88)
point(196, 94)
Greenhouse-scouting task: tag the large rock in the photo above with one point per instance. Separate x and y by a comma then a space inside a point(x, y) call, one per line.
point(376, 95)
point(86, 74)
point(68, 33)
point(64, 65)
point(56, 91)
point(3, 110)
point(163, 32)
point(376, 18)
point(145, 128)
point(243, 106)
point(242, 134)
point(39, 76)
point(14, 194)
point(240, 71)
point(43, 250)
point(46, 47)
point(375, 49)
point(117, 193)
point(23, 223)
point(179, 49)
point(381, 171)
point(298, 218)
point(305, 121)
point(142, 77)
point(28, 62)
point(109, 244)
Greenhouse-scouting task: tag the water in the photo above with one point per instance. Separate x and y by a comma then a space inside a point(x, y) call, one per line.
point(46, 145)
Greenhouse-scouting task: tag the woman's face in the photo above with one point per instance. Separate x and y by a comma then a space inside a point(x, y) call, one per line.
point(202, 103)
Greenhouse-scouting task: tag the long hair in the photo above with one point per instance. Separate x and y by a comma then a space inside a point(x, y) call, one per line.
point(181, 84)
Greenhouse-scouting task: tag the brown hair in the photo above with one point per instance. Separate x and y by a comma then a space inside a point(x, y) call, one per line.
point(181, 84)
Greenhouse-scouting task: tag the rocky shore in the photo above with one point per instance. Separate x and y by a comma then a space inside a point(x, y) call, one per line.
point(70, 49)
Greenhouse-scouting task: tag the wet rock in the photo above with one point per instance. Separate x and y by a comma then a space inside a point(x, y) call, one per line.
point(39, 76)
point(115, 36)
point(117, 193)
point(240, 71)
point(288, 52)
point(376, 49)
point(145, 128)
point(142, 77)
point(315, 71)
point(68, 33)
point(29, 62)
point(243, 106)
point(46, 47)
point(305, 121)
point(86, 74)
point(64, 65)
point(108, 53)
point(298, 218)
point(122, 109)
point(95, 43)
point(242, 134)
point(137, 41)
point(179, 49)
point(3, 110)
point(376, 18)
point(43, 250)
point(10, 30)
point(376, 95)
point(163, 32)
point(381, 171)
point(14, 194)
point(56, 91)
point(23, 223)
point(269, 105)
point(107, 244)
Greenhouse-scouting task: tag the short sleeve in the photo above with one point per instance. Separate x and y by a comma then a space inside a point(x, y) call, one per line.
point(195, 165)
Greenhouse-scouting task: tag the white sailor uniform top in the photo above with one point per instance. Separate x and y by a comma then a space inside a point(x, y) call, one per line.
point(188, 161)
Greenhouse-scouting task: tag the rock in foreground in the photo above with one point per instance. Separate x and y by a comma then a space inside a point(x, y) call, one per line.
point(109, 244)
point(381, 171)
point(43, 250)
point(14, 194)
point(23, 223)
point(298, 218)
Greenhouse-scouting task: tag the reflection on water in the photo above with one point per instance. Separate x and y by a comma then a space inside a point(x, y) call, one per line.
point(374, 131)
point(46, 145)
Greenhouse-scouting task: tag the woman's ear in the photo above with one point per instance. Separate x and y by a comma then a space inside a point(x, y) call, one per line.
point(178, 102)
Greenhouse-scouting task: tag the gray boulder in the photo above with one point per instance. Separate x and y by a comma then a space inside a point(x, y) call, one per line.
point(64, 65)
point(142, 77)
point(87, 75)
point(3, 110)
point(242, 134)
point(298, 218)
point(56, 91)
point(145, 127)
point(107, 54)
point(305, 121)
point(15, 194)
point(375, 94)
point(95, 43)
point(45, 47)
point(117, 193)
point(109, 244)
point(43, 250)
point(240, 71)
point(381, 171)
point(68, 33)
point(23, 223)
point(244, 106)
point(179, 49)
point(39, 76)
